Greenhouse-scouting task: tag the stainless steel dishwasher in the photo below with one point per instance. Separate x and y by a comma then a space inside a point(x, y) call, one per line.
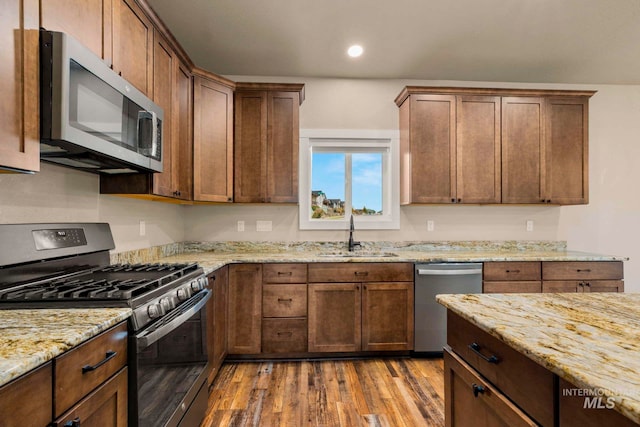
point(430, 317)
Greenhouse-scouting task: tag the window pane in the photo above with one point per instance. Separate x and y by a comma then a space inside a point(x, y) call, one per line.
point(366, 171)
point(327, 185)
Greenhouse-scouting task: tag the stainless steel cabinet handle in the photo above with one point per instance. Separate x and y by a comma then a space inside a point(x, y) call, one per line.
point(431, 272)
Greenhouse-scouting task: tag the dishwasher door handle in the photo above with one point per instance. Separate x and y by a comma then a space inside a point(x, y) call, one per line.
point(432, 272)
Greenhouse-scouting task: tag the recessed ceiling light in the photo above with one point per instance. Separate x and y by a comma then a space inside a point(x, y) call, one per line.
point(355, 51)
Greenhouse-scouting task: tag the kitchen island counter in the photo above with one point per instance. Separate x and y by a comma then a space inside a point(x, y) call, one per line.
point(590, 340)
point(29, 338)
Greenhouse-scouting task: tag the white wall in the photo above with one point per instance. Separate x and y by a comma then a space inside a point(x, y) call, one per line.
point(58, 194)
point(607, 225)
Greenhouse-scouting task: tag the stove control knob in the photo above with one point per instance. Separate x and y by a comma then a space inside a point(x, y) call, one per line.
point(196, 285)
point(165, 303)
point(183, 294)
point(153, 311)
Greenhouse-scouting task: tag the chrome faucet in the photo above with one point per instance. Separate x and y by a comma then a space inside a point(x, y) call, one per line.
point(352, 243)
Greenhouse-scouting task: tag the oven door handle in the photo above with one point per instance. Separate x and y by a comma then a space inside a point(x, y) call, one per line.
point(147, 337)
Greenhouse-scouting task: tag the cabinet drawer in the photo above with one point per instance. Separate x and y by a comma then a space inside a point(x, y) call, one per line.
point(105, 406)
point(27, 399)
point(284, 335)
point(470, 400)
point(514, 271)
point(528, 384)
point(582, 270)
point(284, 273)
point(511, 287)
point(74, 380)
point(334, 272)
point(284, 300)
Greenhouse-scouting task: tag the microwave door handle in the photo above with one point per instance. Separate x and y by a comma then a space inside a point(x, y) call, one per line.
point(145, 339)
point(154, 134)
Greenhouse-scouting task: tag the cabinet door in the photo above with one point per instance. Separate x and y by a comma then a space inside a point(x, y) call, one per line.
point(245, 308)
point(250, 155)
point(212, 141)
point(182, 168)
point(562, 286)
point(428, 159)
point(28, 400)
point(19, 86)
point(567, 157)
point(105, 406)
point(88, 21)
point(472, 401)
point(217, 320)
point(132, 45)
point(282, 146)
point(387, 316)
point(334, 317)
point(604, 286)
point(164, 63)
point(478, 162)
point(523, 150)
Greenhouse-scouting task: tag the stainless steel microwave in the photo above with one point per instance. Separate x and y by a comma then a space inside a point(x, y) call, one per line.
point(91, 118)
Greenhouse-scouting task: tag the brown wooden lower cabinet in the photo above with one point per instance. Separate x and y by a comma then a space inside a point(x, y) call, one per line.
point(387, 316)
point(217, 320)
point(105, 406)
point(583, 286)
point(245, 309)
point(35, 388)
point(334, 317)
point(470, 400)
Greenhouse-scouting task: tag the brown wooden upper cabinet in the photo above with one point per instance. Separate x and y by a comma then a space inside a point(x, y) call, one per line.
point(19, 109)
point(266, 142)
point(89, 21)
point(172, 91)
point(212, 137)
point(475, 145)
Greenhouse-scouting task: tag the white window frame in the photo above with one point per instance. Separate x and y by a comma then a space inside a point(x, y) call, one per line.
point(352, 140)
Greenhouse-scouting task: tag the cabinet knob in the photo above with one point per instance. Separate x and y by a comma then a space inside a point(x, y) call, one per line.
point(459, 201)
point(477, 389)
point(453, 200)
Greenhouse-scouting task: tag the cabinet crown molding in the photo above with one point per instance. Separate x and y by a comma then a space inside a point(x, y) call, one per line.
point(275, 87)
point(444, 90)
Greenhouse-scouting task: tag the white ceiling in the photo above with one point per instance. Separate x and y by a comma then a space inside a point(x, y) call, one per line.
point(543, 41)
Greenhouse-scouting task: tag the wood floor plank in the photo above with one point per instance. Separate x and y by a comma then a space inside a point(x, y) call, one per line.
point(350, 393)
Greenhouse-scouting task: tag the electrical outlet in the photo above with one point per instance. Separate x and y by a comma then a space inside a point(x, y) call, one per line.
point(240, 225)
point(529, 225)
point(263, 225)
point(143, 228)
point(430, 225)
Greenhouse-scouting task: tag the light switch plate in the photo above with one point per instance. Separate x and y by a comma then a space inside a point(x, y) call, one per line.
point(430, 225)
point(529, 225)
point(143, 228)
point(240, 225)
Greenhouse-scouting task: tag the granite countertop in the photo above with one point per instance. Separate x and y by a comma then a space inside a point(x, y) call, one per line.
point(29, 338)
point(590, 340)
point(214, 255)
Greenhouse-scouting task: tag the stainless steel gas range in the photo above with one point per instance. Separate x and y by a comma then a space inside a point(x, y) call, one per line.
point(67, 266)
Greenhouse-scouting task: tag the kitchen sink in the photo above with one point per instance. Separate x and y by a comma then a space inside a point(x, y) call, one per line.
point(358, 254)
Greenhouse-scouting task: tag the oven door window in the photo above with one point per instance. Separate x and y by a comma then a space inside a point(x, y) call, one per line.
point(100, 110)
point(168, 369)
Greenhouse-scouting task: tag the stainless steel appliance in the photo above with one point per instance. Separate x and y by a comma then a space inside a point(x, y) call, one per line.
point(90, 117)
point(430, 317)
point(67, 266)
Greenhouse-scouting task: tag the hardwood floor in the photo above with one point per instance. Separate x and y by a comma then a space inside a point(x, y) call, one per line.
point(373, 392)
